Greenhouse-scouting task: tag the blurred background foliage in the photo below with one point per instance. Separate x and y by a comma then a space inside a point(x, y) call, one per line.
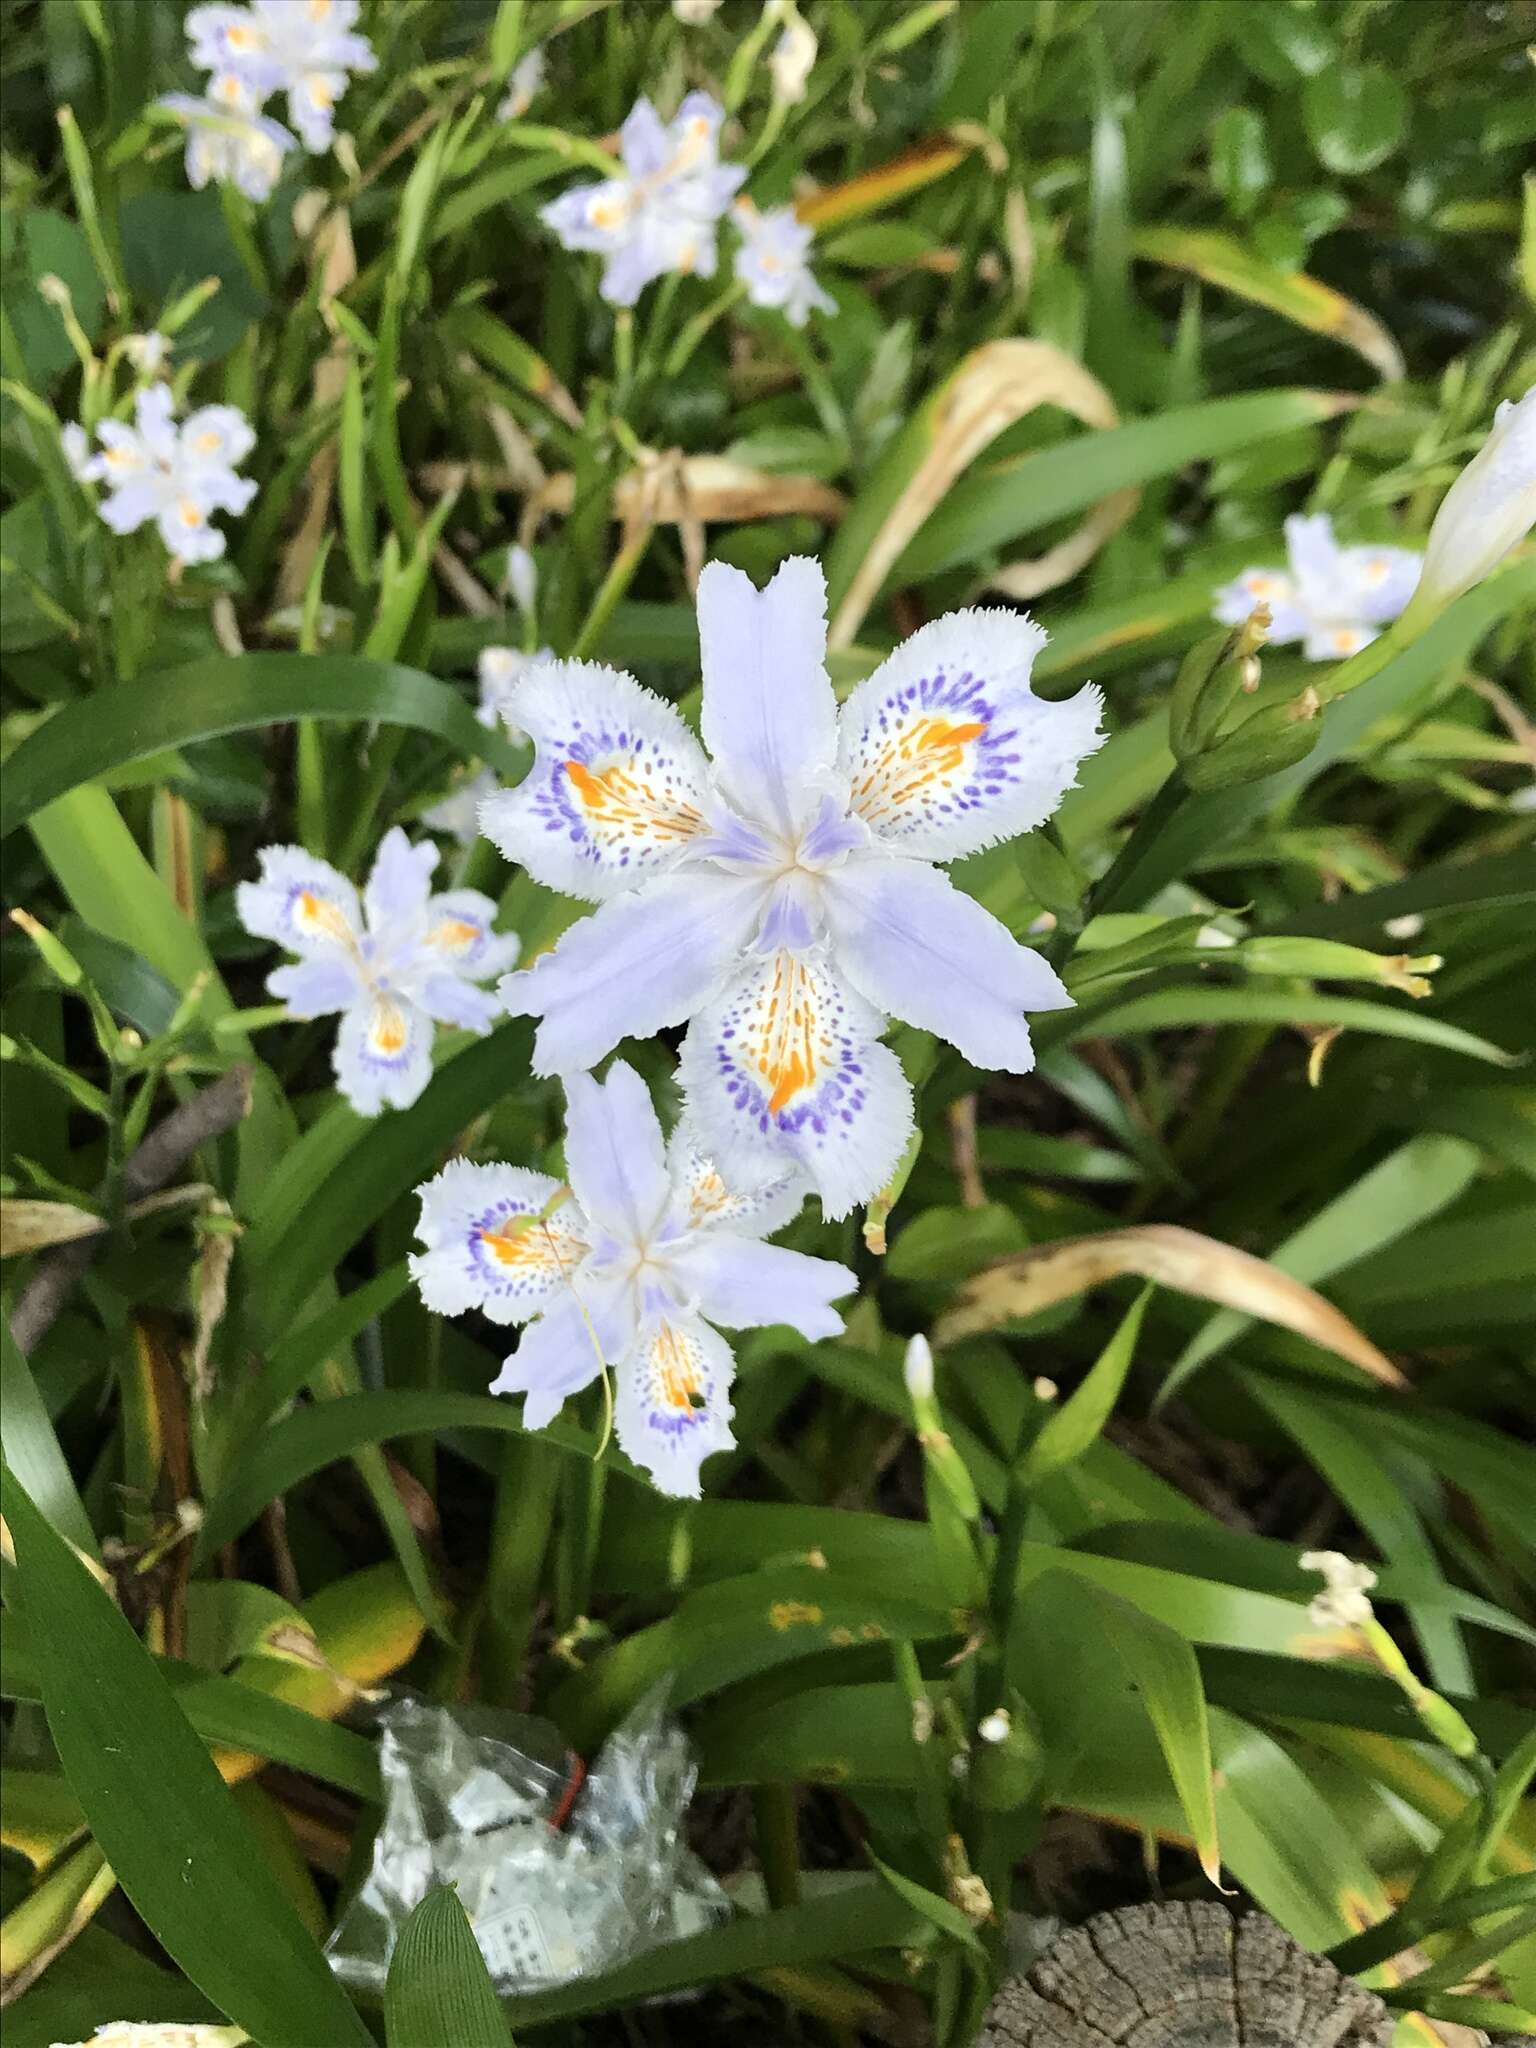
point(1274, 256)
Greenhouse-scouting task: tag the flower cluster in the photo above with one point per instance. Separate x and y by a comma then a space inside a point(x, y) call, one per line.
point(635, 1264)
point(175, 475)
point(394, 965)
point(1333, 599)
point(662, 213)
point(779, 893)
point(304, 49)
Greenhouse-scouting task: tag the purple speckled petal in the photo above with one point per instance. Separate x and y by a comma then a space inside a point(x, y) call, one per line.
point(784, 1070)
point(502, 1239)
point(946, 747)
point(673, 1405)
point(383, 1054)
point(616, 793)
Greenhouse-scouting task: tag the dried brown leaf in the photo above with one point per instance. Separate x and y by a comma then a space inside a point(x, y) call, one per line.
point(1185, 1260)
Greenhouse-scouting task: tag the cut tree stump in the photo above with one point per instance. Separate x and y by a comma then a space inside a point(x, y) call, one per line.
point(1183, 1976)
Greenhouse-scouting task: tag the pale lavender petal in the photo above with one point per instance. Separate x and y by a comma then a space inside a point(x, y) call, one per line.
point(461, 934)
point(643, 140)
point(301, 902)
point(753, 1207)
point(632, 266)
point(398, 886)
point(555, 1357)
point(617, 789)
point(742, 1284)
point(643, 962)
point(769, 717)
point(920, 949)
point(383, 1054)
point(1316, 559)
point(498, 1238)
point(785, 1070)
point(448, 1000)
point(673, 1408)
point(946, 747)
point(317, 986)
point(590, 217)
point(1336, 639)
point(615, 1154)
point(218, 435)
point(1381, 580)
point(132, 504)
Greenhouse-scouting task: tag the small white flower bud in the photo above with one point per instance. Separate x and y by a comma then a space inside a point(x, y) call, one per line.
point(1046, 1389)
point(1343, 1602)
point(522, 579)
point(1407, 927)
point(694, 13)
point(1491, 505)
point(793, 56)
point(918, 1371)
point(997, 1727)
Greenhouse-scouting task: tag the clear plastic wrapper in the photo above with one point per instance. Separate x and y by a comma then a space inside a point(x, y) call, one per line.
point(564, 1872)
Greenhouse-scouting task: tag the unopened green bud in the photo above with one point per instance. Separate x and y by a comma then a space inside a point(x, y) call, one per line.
point(1215, 672)
point(1442, 1720)
point(1331, 960)
point(1277, 737)
point(1052, 877)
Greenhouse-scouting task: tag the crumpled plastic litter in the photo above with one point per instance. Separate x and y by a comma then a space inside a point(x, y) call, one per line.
point(563, 1871)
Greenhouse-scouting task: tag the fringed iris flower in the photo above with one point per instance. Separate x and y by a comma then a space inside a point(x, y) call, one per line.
point(773, 262)
point(394, 965)
point(306, 49)
point(1334, 600)
point(636, 1265)
point(661, 215)
point(780, 891)
point(174, 474)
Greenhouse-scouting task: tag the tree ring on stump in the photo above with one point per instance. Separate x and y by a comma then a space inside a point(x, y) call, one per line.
point(1183, 1976)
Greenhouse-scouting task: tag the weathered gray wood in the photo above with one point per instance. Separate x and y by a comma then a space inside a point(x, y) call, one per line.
point(1183, 1976)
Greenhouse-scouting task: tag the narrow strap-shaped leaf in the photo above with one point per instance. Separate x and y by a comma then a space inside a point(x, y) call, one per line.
point(32, 1450)
point(230, 693)
point(160, 1812)
point(439, 1989)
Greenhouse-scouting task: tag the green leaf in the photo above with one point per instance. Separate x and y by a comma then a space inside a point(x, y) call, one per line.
point(159, 1810)
point(1224, 261)
point(312, 1438)
point(854, 1919)
point(1200, 824)
point(1418, 1180)
point(947, 1918)
point(1079, 1422)
point(1241, 169)
point(1160, 1666)
point(31, 1449)
point(439, 1989)
point(1355, 116)
point(1284, 1842)
point(232, 693)
point(1012, 498)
